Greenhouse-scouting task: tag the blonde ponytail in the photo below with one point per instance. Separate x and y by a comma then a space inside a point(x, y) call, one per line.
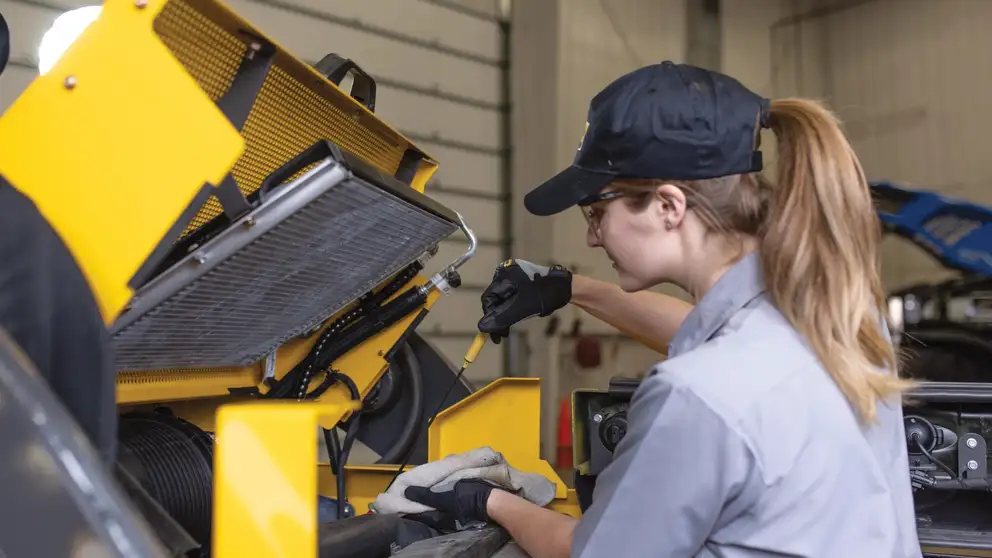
point(819, 252)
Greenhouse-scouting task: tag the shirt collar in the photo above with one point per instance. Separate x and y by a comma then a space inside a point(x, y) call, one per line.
point(739, 285)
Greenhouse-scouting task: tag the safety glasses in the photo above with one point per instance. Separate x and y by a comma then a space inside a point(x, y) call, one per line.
point(593, 213)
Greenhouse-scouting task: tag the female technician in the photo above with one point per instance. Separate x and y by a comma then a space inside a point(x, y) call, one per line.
point(774, 428)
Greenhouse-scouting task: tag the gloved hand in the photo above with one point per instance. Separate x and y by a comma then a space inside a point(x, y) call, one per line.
point(462, 504)
point(520, 290)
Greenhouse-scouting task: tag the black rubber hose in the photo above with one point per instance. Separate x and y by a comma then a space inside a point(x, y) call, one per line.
point(298, 379)
point(410, 367)
point(373, 324)
point(334, 456)
point(333, 448)
point(349, 439)
point(365, 329)
point(928, 455)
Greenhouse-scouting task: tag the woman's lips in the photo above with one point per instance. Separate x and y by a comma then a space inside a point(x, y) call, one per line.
point(612, 261)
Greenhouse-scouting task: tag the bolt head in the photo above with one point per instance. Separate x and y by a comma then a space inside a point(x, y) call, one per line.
point(597, 418)
point(141, 4)
point(971, 443)
point(70, 82)
point(972, 465)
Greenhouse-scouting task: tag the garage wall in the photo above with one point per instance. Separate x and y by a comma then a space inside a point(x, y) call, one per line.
point(911, 80)
point(563, 53)
point(601, 40)
point(439, 66)
point(746, 52)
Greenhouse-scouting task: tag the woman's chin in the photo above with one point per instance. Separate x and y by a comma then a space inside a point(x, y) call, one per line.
point(629, 283)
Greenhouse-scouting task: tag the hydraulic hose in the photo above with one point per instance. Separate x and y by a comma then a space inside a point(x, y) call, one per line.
point(337, 453)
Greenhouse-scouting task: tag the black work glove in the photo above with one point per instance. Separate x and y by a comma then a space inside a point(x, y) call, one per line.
point(463, 504)
point(520, 290)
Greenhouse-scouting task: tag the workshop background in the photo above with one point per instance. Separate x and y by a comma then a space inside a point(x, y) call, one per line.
point(497, 91)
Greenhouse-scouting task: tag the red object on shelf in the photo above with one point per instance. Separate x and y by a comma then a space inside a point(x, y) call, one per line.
point(564, 458)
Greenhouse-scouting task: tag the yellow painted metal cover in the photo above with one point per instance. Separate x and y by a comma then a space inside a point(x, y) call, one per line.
point(118, 138)
point(95, 144)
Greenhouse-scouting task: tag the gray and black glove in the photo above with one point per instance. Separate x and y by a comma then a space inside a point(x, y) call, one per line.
point(465, 503)
point(520, 290)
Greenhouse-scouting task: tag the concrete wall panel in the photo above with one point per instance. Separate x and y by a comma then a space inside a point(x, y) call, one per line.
point(466, 170)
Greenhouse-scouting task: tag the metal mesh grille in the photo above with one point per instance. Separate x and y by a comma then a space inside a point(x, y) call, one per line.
point(209, 53)
point(284, 283)
point(288, 116)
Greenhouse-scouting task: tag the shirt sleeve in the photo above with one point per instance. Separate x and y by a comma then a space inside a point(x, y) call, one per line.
point(679, 472)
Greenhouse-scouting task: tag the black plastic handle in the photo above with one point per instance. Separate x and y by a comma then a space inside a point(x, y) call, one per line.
point(315, 153)
point(335, 67)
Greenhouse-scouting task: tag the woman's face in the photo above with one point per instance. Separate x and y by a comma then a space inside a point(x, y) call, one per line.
point(632, 230)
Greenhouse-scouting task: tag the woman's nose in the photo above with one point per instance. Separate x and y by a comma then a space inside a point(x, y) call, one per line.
point(592, 239)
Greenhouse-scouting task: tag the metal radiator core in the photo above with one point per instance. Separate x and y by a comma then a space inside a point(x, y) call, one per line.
point(315, 245)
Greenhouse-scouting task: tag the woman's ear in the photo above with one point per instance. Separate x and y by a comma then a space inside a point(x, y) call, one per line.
point(673, 204)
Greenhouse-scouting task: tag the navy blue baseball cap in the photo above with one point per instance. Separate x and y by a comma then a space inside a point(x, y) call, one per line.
point(665, 121)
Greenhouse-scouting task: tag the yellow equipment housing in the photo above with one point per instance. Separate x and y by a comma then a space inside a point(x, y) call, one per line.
point(168, 142)
point(198, 173)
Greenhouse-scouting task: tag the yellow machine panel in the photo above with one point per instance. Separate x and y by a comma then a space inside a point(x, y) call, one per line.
point(138, 104)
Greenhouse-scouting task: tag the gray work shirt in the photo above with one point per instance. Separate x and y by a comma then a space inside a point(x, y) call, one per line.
point(741, 445)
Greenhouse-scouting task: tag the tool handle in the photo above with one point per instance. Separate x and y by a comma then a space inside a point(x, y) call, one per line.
point(334, 67)
point(476, 347)
point(317, 152)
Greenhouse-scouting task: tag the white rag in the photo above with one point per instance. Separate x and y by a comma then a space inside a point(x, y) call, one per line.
point(482, 463)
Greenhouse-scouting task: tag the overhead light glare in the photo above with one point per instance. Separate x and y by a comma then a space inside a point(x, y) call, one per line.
point(66, 29)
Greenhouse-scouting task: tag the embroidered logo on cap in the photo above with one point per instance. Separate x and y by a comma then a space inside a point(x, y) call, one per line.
point(581, 141)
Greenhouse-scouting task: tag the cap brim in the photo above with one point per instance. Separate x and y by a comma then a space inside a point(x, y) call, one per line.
point(564, 190)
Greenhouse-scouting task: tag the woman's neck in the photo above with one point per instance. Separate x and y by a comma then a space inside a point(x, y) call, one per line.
point(710, 269)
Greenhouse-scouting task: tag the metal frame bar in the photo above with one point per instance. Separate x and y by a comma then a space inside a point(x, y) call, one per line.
point(483, 241)
point(511, 347)
point(236, 103)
